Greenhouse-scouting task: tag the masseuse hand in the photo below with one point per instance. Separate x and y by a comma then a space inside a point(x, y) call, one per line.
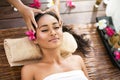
point(28, 15)
point(55, 10)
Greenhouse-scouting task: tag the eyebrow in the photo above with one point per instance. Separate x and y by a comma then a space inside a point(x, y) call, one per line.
point(45, 25)
point(55, 23)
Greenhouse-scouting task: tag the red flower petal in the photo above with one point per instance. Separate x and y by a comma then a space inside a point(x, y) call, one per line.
point(70, 4)
point(36, 4)
point(31, 35)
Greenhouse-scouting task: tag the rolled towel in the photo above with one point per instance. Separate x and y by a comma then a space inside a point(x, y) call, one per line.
point(22, 49)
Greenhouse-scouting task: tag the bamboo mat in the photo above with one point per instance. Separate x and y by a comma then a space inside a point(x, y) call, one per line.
point(98, 63)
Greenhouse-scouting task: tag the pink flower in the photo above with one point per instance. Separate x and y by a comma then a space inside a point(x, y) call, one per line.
point(117, 55)
point(36, 4)
point(31, 35)
point(70, 4)
point(109, 31)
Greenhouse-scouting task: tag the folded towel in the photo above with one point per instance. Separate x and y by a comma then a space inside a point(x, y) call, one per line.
point(21, 50)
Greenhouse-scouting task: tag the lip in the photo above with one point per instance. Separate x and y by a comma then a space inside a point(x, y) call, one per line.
point(53, 40)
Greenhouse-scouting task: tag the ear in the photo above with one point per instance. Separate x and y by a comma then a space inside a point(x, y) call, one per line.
point(35, 41)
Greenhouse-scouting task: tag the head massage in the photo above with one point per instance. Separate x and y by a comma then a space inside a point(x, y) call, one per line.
point(49, 36)
point(50, 41)
point(53, 41)
point(83, 44)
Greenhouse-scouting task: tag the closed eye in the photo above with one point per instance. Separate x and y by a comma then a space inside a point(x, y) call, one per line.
point(56, 27)
point(44, 30)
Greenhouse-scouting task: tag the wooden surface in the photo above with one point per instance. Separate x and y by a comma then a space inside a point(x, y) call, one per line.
point(98, 63)
point(82, 13)
point(7, 72)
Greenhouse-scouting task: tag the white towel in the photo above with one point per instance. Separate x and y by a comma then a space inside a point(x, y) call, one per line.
point(70, 75)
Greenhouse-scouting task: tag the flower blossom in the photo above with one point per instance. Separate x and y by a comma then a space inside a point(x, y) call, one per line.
point(36, 4)
point(31, 35)
point(117, 55)
point(102, 24)
point(109, 31)
point(70, 4)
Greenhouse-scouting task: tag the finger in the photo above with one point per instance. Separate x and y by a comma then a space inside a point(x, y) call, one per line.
point(56, 11)
point(34, 22)
point(29, 25)
point(47, 10)
point(52, 9)
point(37, 10)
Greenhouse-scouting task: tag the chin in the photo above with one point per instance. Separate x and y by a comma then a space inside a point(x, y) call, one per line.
point(54, 45)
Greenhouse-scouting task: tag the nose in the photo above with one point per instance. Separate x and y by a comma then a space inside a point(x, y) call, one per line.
point(52, 32)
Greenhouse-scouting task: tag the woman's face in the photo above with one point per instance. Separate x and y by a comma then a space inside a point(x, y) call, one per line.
point(49, 32)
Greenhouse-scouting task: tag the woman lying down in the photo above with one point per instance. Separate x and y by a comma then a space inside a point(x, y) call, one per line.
point(52, 66)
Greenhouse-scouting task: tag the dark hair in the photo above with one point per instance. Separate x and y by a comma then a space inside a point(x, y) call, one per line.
point(83, 44)
point(38, 16)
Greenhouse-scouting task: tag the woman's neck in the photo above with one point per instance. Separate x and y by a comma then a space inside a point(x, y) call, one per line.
point(52, 55)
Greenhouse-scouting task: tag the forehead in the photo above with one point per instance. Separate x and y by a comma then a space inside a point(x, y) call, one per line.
point(46, 19)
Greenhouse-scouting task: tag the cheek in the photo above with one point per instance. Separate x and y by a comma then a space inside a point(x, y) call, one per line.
point(41, 37)
point(60, 32)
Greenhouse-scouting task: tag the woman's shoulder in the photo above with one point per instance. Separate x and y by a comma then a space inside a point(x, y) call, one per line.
point(32, 66)
point(27, 72)
point(74, 58)
point(78, 57)
point(31, 69)
point(27, 68)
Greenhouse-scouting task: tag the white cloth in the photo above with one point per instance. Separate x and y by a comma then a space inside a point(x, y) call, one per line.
point(112, 10)
point(70, 75)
